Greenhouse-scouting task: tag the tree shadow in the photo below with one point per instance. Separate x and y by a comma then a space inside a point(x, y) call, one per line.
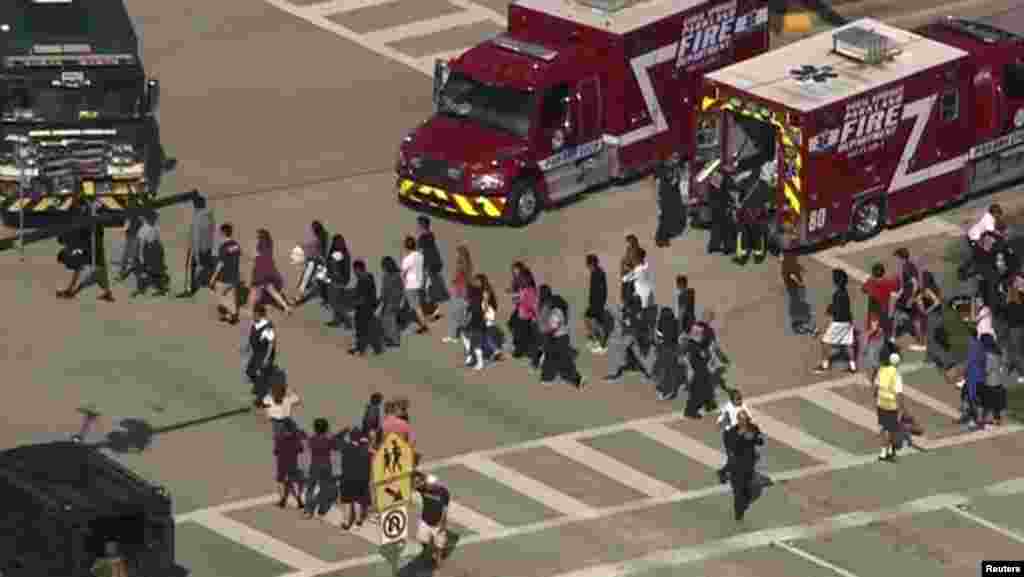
point(136, 435)
point(422, 565)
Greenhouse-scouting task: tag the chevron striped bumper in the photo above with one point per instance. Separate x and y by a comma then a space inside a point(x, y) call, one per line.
point(63, 204)
point(432, 197)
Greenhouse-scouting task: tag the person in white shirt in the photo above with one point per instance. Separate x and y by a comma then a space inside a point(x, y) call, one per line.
point(728, 418)
point(412, 279)
point(279, 404)
point(642, 278)
point(987, 223)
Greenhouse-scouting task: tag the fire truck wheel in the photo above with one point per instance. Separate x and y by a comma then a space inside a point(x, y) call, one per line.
point(524, 204)
point(867, 219)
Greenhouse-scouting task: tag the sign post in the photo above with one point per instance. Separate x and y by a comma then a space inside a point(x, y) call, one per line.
point(393, 466)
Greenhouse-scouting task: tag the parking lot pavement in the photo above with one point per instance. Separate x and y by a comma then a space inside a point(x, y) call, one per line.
point(591, 480)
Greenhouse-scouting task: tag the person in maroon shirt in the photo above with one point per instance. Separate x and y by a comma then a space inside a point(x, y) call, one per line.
point(288, 445)
point(320, 485)
point(880, 289)
point(267, 284)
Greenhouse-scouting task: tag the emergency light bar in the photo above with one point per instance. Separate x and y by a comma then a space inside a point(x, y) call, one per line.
point(61, 48)
point(66, 60)
point(52, 1)
point(527, 48)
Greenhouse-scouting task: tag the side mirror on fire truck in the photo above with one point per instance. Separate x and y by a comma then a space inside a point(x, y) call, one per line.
point(441, 72)
point(152, 95)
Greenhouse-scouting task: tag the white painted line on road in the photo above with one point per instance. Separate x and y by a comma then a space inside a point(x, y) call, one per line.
point(835, 262)
point(1009, 534)
point(844, 408)
point(492, 15)
point(930, 402)
point(333, 7)
point(683, 444)
point(1011, 487)
point(931, 226)
point(531, 488)
point(367, 532)
point(261, 542)
point(802, 441)
point(422, 28)
point(470, 519)
point(612, 468)
point(320, 21)
point(813, 559)
point(756, 539)
point(228, 507)
point(579, 435)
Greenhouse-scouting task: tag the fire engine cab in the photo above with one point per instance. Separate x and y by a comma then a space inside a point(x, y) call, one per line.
point(865, 126)
point(570, 97)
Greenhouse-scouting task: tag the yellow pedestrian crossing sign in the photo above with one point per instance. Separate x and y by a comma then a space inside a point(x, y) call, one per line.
point(392, 472)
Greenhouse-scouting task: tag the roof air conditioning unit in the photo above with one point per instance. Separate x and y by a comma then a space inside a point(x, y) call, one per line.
point(605, 5)
point(864, 45)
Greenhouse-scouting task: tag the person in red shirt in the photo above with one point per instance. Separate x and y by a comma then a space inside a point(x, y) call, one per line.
point(288, 445)
point(880, 290)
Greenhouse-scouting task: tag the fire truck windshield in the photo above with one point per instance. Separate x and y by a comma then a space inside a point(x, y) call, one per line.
point(50, 99)
point(497, 107)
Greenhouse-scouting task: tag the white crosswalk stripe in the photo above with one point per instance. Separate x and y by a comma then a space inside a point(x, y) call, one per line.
point(543, 494)
point(333, 7)
point(844, 408)
point(802, 441)
point(253, 539)
point(380, 41)
point(679, 442)
point(930, 402)
point(612, 468)
point(569, 445)
point(470, 519)
point(426, 27)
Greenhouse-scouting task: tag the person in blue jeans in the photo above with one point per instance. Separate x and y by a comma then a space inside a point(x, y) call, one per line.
point(320, 485)
point(974, 380)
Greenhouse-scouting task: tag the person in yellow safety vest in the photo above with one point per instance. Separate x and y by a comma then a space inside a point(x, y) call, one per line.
point(889, 397)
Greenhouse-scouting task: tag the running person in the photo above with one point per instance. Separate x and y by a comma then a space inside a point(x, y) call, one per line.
point(432, 532)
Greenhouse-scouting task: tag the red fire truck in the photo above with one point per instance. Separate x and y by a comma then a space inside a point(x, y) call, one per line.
point(865, 126)
point(567, 99)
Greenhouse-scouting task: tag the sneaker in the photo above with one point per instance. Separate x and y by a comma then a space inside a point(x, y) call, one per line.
point(960, 384)
point(660, 396)
point(547, 384)
point(601, 350)
point(449, 340)
point(917, 348)
point(821, 369)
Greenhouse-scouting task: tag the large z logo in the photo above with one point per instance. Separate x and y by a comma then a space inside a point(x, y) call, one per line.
point(642, 65)
point(920, 111)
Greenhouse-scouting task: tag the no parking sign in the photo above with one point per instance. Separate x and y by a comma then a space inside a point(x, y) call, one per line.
point(394, 525)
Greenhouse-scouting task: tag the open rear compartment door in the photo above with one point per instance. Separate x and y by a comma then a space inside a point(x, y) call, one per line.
point(758, 165)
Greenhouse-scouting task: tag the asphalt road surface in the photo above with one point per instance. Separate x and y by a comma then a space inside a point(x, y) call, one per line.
point(286, 112)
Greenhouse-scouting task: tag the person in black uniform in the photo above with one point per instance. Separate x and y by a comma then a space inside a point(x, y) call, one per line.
point(745, 441)
point(698, 351)
point(435, 292)
point(667, 368)
point(365, 302)
point(723, 228)
point(671, 211)
point(262, 352)
point(752, 228)
point(356, 462)
point(88, 246)
point(596, 315)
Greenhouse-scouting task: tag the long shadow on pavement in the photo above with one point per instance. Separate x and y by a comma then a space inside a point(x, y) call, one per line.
point(423, 565)
point(136, 435)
